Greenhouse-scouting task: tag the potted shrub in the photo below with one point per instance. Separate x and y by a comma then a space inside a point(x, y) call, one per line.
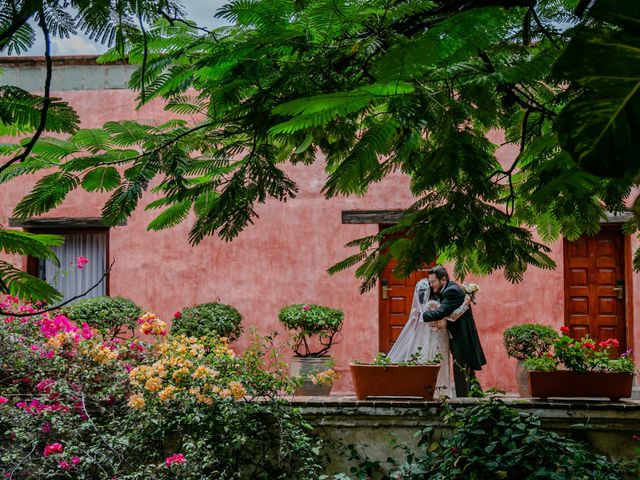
point(315, 329)
point(416, 377)
point(208, 319)
point(526, 341)
point(581, 368)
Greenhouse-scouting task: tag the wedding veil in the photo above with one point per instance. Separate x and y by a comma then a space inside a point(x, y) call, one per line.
point(412, 335)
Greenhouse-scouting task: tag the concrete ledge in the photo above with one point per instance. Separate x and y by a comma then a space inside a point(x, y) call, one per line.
point(371, 425)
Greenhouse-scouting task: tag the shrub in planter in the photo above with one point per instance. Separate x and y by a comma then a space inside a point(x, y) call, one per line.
point(581, 368)
point(315, 329)
point(585, 355)
point(308, 322)
point(416, 377)
point(528, 340)
point(108, 315)
point(208, 319)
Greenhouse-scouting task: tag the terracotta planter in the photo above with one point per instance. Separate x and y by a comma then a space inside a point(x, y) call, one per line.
point(563, 383)
point(302, 366)
point(522, 379)
point(395, 380)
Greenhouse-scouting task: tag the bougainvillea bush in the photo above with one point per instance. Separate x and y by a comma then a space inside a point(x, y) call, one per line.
point(74, 405)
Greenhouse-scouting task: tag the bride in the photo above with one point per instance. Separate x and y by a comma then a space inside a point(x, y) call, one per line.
point(425, 340)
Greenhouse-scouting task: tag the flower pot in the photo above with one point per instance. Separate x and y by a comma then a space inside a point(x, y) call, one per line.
point(565, 383)
point(522, 379)
point(395, 380)
point(303, 366)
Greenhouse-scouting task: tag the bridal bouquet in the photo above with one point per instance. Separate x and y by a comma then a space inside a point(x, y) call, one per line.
point(471, 289)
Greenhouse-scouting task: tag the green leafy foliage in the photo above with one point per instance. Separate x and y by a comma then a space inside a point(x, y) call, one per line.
point(307, 321)
point(486, 440)
point(584, 355)
point(84, 407)
point(493, 440)
point(528, 340)
point(111, 316)
point(598, 127)
point(20, 284)
point(24, 286)
point(208, 319)
point(101, 179)
point(372, 88)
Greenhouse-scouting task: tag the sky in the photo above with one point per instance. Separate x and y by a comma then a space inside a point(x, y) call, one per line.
point(202, 11)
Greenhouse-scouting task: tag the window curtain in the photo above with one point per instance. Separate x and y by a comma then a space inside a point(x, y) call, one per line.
point(70, 280)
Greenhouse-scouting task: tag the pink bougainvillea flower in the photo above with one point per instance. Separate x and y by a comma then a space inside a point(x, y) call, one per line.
point(52, 449)
point(81, 261)
point(3, 400)
point(175, 458)
point(64, 465)
point(306, 307)
point(48, 354)
point(75, 460)
point(44, 386)
point(86, 331)
point(46, 427)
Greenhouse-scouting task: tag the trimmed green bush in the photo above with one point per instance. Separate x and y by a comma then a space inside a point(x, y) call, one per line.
point(528, 340)
point(109, 315)
point(306, 321)
point(208, 319)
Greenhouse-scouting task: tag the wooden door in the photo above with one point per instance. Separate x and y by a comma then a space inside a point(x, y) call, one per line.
point(396, 296)
point(594, 286)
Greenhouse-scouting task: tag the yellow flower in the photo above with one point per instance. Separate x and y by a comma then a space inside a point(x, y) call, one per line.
point(204, 399)
point(204, 372)
point(153, 384)
point(136, 401)
point(167, 394)
point(194, 391)
point(179, 374)
point(237, 390)
point(57, 341)
point(224, 393)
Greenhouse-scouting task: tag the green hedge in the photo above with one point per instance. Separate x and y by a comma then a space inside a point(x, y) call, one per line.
point(109, 315)
point(208, 319)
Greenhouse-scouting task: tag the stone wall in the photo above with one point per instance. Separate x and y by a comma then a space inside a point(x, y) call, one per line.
point(373, 425)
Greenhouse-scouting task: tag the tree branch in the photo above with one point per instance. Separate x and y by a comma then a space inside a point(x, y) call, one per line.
point(18, 19)
point(145, 53)
point(40, 312)
point(544, 30)
point(46, 101)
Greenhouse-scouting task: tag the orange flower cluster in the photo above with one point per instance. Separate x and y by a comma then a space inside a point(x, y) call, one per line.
point(327, 377)
point(182, 370)
point(150, 324)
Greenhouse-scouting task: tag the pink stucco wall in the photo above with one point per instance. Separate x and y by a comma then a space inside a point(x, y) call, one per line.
point(283, 258)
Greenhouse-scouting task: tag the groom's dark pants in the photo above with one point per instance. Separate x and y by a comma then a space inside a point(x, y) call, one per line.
point(462, 376)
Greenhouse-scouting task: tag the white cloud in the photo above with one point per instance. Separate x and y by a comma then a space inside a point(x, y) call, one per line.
point(77, 45)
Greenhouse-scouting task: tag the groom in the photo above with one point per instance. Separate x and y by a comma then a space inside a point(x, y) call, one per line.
point(464, 342)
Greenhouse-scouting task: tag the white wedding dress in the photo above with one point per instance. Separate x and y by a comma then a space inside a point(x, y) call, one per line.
point(431, 338)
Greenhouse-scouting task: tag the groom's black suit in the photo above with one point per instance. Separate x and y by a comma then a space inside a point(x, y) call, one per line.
point(464, 342)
